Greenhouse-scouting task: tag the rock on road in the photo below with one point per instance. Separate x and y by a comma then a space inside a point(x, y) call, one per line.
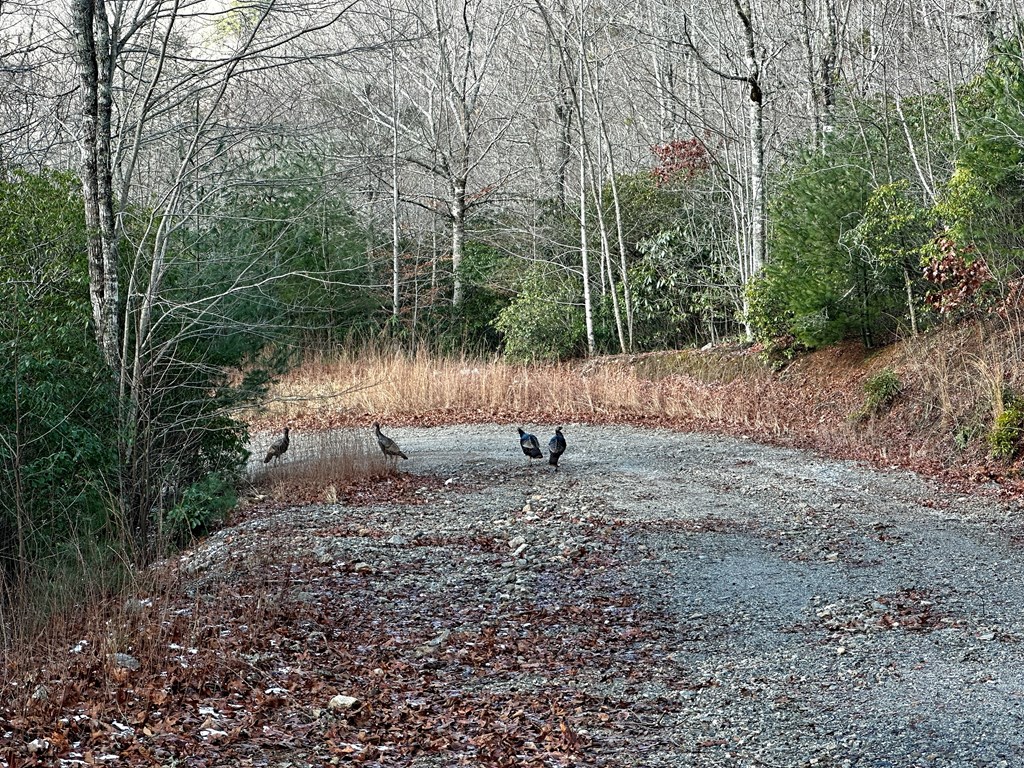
point(749, 605)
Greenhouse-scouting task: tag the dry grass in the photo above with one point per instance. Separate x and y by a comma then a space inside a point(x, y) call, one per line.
point(358, 387)
point(129, 618)
point(954, 372)
point(327, 463)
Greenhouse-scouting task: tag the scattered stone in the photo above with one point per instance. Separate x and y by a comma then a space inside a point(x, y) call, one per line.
point(433, 647)
point(343, 703)
point(125, 661)
point(323, 557)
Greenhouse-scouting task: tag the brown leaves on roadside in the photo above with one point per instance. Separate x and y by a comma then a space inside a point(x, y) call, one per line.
point(911, 610)
point(244, 669)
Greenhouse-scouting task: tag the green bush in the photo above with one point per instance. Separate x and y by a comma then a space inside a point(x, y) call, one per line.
point(543, 322)
point(300, 241)
point(880, 392)
point(809, 285)
point(58, 459)
point(469, 328)
point(842, 246)
point(1007, 431)
point(684, 288)
point(971, 432)
point(982, 206)
point(203, 505)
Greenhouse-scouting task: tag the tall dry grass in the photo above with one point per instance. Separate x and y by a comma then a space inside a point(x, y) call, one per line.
point(960, 380)
point(81, 626)
point(319, 466)
point(374, 383)
point(953, 380)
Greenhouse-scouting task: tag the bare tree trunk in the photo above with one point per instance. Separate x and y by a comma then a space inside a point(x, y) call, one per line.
point(563, 115)
point(395, 247)
point(565, 101)
point(619, 231)
point(830, 65)
point(923, 169)
point(416, 293)
point(94, 59)
point(433, 259)
point(756, 122)
point(821, 54)
point(588, 311)
point(752, 257)
point(588, 308)
point(396, 265)
point(14, 446)
point(814, 98)
point(458, 217)
point(598, 191)
point(564, 108)
point(606, 254)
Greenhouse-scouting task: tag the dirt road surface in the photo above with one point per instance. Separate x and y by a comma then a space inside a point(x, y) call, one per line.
point(663, 599)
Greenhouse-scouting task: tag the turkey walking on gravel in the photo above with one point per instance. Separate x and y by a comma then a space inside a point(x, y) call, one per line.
point(277, 448)
point(530, 445)
point(556, 447)
point(387, 445)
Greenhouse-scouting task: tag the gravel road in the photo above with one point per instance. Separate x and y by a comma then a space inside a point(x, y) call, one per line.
point(701, 601)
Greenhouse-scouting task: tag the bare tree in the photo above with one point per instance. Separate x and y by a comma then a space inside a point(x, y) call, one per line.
point(149, 71)
point(752, 77)
point(819, 25)
point(447, 120)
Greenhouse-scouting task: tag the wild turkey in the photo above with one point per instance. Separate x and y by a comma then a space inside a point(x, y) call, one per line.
point(277, 448)
point(556, 447)
point(530, 445)
point(387, 445)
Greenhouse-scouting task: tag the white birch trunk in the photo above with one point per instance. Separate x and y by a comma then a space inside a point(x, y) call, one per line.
point(458, 216)
point(588, 309)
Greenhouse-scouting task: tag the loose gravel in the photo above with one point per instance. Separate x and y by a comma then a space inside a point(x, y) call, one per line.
point(753, 606)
